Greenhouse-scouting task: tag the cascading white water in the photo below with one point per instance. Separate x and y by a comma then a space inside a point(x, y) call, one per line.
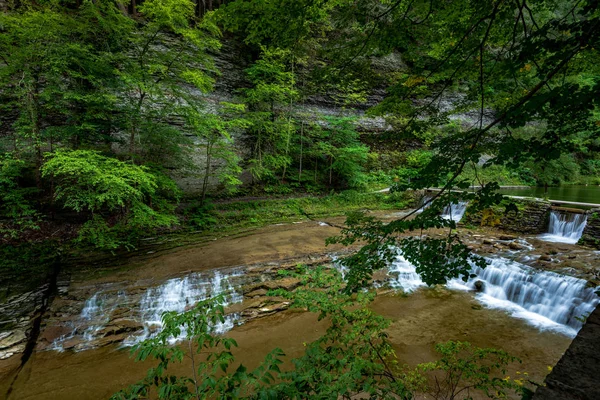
point(545, 299)
point(455, 211)
point(404, 276)
point(565, 227)
point(424, 204)
point(179, 295)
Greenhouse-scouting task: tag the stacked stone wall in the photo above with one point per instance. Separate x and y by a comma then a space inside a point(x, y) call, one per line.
point(591, 233)
point(531, 217)
point(575, 377)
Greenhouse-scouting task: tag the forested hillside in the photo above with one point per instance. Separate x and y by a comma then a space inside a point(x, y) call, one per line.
point(114, 113)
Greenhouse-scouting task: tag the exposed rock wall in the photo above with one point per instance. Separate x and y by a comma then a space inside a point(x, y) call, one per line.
point(531, 218)
point(591, 233)
point(575, 377)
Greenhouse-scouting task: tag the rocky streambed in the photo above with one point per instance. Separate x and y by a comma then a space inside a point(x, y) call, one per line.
point(101, 311)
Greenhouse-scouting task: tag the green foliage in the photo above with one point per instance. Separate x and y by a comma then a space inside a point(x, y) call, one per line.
point(353, 357)
point(85, 75)
point(86, 181)
point(168, 63)
point(215, 132)
point(202, 217)
point(346, 155)
point(436, 259)
point(269, 114)
point(15, 199)
point(211, 360)
point(466, 369)
point(220, 217)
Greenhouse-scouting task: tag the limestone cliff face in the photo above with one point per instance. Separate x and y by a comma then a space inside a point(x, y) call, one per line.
point(575, 377)
point(232, 61)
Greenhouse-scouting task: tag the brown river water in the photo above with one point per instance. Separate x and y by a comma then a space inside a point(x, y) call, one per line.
point(420, 320)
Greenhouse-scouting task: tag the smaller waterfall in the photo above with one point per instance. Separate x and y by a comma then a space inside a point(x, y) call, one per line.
point(423, 204)
point(546, 299)
point(455, 211)
point(93, 318)
point(404, 276)
point(565, 227)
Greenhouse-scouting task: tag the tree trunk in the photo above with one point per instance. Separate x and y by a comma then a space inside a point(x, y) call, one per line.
point(206, 172)
point(34, 117)
point(301, 144)
point(330, 170)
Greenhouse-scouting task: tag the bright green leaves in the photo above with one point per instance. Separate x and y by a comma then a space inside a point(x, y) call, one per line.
point(354, 357)
point(211, 359)
point(464, 367)
point(86, 181)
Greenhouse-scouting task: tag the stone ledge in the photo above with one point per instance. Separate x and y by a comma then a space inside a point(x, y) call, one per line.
point(575, 377)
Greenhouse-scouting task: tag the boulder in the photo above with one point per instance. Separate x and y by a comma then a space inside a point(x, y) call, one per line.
point(479, 286)
point(515, 246)
point(507, 237)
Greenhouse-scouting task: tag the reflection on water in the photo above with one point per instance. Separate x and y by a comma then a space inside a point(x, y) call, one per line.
point(579, 193)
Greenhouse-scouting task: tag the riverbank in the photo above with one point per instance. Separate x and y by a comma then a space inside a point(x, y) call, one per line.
point(260, 255)
point(116, 290)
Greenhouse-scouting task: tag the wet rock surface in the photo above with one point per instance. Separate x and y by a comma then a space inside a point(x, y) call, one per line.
point(17, 313)
point(575, 377)
point(119, 318)
point(98, 315)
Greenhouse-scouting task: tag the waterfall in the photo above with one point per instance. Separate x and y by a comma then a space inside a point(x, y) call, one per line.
point(455, 211)
point(403, 275)
point(565, 227)
point(423, 204)
point(545, 299)
point(178, 294)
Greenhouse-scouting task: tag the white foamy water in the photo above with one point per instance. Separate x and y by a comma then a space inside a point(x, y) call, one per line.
point(565, 227)
point(455, 211)
point(424, 204)
point(181, 294)
point(404, 276)
point(545, 299)
point(178, 294)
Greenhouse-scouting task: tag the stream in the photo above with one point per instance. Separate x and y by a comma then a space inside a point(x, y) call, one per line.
point(83, 350)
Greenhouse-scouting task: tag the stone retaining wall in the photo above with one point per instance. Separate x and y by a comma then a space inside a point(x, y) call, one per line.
point(591, 233)
point(531, 218)
point(575, 377)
